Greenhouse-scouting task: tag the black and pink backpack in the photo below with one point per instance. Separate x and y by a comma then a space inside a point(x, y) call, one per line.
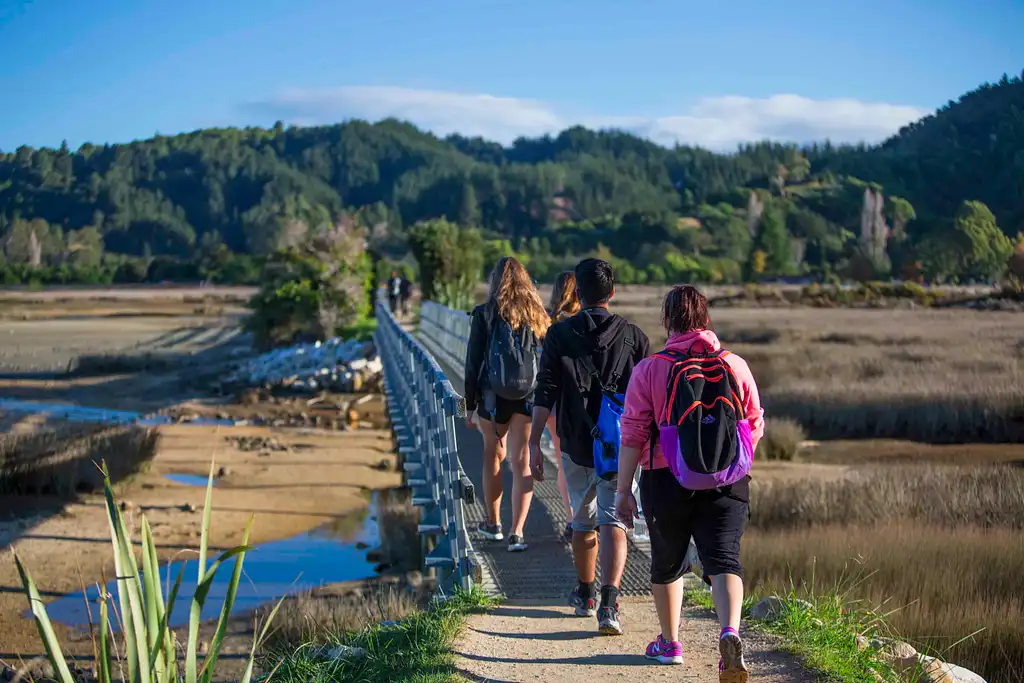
point(705, 437)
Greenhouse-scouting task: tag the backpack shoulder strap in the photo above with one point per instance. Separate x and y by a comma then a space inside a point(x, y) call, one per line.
point(672, 355)
point(588, 365)
point(628, 344)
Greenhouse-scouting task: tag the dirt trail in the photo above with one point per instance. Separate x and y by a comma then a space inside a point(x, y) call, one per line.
point(542, 641)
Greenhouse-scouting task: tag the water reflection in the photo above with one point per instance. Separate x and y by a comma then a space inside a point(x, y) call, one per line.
point(189, 479)
point(326, 554)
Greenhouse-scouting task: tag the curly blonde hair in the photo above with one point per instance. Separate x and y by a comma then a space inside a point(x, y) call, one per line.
point(565, 300)
point(515, 297)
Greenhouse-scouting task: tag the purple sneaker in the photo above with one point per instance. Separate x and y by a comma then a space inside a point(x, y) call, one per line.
point(665, 652)
point(731, 667)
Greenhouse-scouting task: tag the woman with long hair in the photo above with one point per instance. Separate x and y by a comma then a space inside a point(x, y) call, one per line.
point(565, 303)
point(513, 301)
point(695, 445)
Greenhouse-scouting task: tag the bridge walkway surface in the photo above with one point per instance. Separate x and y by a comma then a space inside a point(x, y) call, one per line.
point(533, 635)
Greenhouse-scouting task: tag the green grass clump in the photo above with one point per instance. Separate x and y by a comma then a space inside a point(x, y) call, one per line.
point(416, 649)
point(823, 631)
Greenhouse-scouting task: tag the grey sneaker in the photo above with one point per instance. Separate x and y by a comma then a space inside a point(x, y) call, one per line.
point(584, 608)
point(608, 621)
point(516, 544)
point(731, 667)
point(492, 532)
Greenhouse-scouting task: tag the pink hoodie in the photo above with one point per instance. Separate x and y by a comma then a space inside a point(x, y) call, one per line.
point(645, 397)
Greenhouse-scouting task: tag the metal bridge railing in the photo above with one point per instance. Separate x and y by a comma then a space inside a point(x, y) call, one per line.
point(448, 332)
point(423, 408)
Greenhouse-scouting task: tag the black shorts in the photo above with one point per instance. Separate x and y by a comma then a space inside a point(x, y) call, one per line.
point(503, 410)
point(715, 519)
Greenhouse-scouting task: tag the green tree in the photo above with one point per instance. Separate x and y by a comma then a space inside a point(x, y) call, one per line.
point(901, 212)
point(728, 230)
point(450, 260)
point(314, 289)
point(85, 248)
point(983, 248)
point(774, 241)
point(1015, 267)
point(469, 210)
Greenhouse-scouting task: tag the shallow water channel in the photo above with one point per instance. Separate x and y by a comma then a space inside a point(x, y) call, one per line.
point(324, 555)
point(74, 413)
point(189, 479)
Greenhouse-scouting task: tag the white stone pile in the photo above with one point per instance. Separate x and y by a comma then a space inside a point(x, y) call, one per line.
point(334, 365)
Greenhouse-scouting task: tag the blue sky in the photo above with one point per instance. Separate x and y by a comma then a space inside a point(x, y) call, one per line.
point(712, 73)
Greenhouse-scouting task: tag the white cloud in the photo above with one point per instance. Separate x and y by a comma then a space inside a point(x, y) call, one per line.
point(495, 118)
point(716, 122)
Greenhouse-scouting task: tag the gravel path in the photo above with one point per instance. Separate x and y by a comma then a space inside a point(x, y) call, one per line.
point(543, 641)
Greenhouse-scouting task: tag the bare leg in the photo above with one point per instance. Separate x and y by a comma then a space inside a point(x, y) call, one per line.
point(562, 486)
point(584, 555)
point(727, 594)
point(668, 599)
point(494, 454)
point(522, 478)
point(613, 555)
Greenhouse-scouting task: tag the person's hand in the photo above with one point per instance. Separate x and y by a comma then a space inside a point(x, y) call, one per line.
point(625, 508)
point(469, 420)
point(536, 461)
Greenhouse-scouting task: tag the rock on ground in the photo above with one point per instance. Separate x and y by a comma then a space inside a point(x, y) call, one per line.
point(773, 607)
point(936, 671)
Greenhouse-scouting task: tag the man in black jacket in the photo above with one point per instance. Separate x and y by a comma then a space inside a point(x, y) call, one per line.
point(614, 346)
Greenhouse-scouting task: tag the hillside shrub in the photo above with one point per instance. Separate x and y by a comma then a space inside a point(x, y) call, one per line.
point(313, 290)
point(450, 259)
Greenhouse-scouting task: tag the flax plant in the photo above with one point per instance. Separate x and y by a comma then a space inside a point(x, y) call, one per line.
point(143, 611)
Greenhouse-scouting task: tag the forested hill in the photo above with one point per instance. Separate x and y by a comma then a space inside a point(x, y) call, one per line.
point(766, 210)
point(972, 148)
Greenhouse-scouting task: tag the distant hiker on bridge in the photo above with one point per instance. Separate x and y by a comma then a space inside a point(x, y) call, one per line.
point(587, 361)
point(405, 294)
point(502, 358)
point(564, 304)
point(394, 287)
point(692, 420)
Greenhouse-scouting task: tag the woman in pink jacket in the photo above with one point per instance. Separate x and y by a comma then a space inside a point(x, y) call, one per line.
point(694, 397)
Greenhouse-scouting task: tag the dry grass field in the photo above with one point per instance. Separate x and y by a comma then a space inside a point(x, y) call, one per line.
point(927, 375)
point(920, 413)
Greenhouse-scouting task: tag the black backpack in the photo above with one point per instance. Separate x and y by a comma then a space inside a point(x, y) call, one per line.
point(512, 361)
point(706, 438)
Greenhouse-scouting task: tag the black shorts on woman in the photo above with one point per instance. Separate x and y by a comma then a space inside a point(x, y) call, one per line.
point(503, 409)
point(715, 519)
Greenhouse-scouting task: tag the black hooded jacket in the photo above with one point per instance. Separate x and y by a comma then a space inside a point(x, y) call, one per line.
point(599, 334)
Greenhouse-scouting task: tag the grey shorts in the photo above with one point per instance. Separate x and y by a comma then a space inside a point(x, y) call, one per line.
point(592, 498)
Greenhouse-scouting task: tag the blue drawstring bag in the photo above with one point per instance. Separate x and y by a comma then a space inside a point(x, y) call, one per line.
point(607, 435)
point(607, 431)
